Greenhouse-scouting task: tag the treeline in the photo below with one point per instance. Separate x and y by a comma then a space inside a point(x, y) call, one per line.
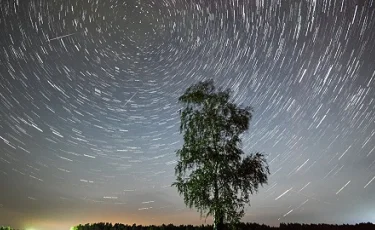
point(241, 226)
point(361, 226)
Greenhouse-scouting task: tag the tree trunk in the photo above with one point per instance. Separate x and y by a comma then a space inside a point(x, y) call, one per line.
point(220, 224)
point(218, 221)
point(218, 214)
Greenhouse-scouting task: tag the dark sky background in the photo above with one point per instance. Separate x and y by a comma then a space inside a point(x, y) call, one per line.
point(88, 113)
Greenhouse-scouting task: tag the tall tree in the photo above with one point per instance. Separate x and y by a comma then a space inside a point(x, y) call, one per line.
point(212, 172)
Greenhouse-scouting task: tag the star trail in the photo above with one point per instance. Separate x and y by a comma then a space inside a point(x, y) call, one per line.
point(89, 119)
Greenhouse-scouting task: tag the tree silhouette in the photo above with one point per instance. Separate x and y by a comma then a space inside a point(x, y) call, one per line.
point(5, 228)
point(212, 174)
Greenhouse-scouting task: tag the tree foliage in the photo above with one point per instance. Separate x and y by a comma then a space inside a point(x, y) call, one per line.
point(213, 173)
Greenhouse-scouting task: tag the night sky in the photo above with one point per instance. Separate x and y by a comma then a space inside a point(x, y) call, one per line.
point(89, 119)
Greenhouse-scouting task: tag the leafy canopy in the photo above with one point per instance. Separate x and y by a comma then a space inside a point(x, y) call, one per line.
point(212, 172)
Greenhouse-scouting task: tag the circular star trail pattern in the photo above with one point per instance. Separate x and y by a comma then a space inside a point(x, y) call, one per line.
point(89, 106)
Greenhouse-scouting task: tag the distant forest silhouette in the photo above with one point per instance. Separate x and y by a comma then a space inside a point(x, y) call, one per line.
point(240, 226)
